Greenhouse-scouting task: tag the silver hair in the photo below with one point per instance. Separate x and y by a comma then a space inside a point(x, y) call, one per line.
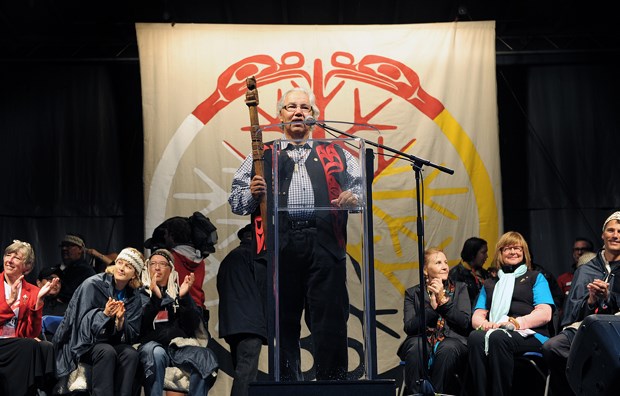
point(315, 110)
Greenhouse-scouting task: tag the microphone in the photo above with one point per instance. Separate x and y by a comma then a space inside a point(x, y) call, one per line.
point(508, 326)
point(280, 125)
point(309, 120)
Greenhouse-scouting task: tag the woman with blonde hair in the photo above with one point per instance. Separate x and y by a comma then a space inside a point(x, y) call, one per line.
point(510, 316)
point(100, 325)
point(447, 313)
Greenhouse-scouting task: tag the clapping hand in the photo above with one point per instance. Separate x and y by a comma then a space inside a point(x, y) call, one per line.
point(13, 293)
point(120, 315)
point(44, 291)
point(112, 307)
point(597, 290)
point(187, 284)
point(116, 309)
point(435, 291)
point(154, 288)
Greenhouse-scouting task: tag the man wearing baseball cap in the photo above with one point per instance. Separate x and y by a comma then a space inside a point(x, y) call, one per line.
point(75, 268)
point(593, 291)
point(53, 306)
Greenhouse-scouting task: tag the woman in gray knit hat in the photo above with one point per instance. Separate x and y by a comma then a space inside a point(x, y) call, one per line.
point(100, 325)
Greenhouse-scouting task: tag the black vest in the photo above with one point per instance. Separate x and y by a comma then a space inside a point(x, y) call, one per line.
point(522, 297)
point(331, 224)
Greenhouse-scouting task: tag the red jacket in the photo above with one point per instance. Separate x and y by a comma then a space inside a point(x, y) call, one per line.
point(565, 280)
point(185, 266)
point(29, 319)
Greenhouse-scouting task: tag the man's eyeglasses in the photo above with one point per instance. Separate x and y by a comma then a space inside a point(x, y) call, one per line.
point(303, 107)
point(517, 249)
point(156, 264)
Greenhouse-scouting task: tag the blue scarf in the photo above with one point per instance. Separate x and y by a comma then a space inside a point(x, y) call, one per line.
point(502, 295)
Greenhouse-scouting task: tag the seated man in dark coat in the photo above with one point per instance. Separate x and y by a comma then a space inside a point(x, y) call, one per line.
point(171, 329)
point(75, 268)
point(594, 290)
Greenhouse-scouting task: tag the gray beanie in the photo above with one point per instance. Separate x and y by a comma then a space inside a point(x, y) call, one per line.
point(133, 257)
point(613, 216)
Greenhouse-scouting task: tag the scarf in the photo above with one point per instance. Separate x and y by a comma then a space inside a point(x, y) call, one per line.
point(476, 273)
point(172, 287)
point(436, 334)
point(502, 295)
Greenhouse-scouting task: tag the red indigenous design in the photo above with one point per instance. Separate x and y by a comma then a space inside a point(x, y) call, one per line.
point(332, 164)
point(259, 232)
point(385, 73)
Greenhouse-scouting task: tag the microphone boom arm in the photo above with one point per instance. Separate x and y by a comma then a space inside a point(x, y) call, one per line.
point(418, 162)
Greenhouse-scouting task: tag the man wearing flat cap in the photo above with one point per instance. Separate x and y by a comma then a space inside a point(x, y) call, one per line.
point(595, 290)
point(75, 268)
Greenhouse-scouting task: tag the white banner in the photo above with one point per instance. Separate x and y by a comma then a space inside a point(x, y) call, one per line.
point(429, 89)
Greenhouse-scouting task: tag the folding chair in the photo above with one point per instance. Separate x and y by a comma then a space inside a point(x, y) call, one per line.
point(49, 324)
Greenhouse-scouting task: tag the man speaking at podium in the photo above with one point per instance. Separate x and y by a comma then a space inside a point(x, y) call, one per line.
point(312, 243)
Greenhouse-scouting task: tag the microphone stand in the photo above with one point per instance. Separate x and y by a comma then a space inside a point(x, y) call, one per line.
point(417, 164)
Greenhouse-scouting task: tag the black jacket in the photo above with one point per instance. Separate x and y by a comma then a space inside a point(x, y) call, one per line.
point(457, 313)
point(183, 321)
point(239, 282)
point(576, 306)
point(462, 274)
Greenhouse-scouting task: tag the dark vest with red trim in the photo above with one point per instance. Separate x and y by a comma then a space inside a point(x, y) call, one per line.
point(326, 166)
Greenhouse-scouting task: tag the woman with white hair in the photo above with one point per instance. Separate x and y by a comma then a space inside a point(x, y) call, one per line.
point(100, 325)
point(443, 334)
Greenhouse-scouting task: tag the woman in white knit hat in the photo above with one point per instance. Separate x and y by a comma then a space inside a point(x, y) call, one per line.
point(100, 325)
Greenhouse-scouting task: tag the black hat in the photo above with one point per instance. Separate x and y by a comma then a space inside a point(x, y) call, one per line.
point(243, 231)
point(47, 272)
point(178, 228)
point(158, 239)
point(165, 253)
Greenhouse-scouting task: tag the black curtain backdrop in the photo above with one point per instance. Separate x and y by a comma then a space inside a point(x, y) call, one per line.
point(559, 142)
point(72, 154)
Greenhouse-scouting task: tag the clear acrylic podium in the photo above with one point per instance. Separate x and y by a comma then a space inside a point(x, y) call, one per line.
point(359, 266)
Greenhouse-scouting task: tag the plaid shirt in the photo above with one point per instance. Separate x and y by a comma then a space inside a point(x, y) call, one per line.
point(300, 194)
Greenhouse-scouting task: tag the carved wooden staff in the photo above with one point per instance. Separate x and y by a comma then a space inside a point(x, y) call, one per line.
point(251, 100)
